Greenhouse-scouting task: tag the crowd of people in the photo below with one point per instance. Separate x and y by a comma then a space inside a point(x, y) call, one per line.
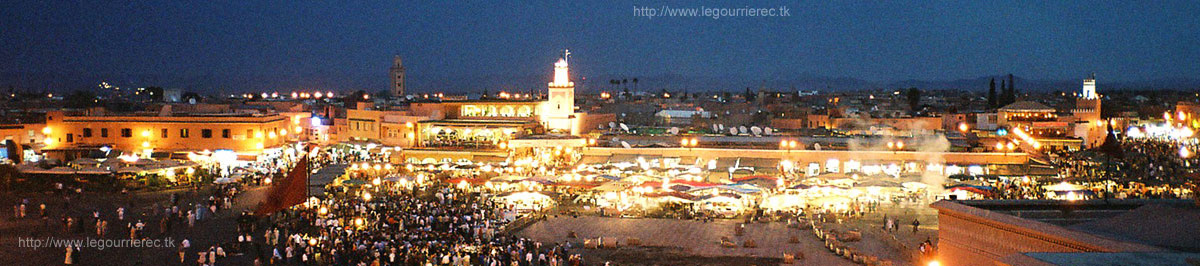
point(70, 213)
point(431, 225)
point(1152, 161)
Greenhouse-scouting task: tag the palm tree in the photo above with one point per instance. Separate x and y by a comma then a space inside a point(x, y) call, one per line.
point(625, 82)
point(635, 87)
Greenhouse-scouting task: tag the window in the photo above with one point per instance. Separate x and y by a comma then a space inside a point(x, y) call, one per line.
point(103, 132)
point(126, 133)
point(183, 133)
point(225, 133)
point(164, 133)
point(87, 132)
point(249, 133)
point(206, 133)
point(70, 137)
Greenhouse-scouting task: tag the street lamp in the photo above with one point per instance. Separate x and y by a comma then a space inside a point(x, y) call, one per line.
point(895, 146)
point(788, 145)
point(689, 142)
point(1005, 147)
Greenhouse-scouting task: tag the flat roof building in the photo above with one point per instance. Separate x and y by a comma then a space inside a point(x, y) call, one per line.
point(148, 133)
point(1049, 232)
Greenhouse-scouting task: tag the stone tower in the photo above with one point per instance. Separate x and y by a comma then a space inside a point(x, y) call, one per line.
point(559, 110)
point(397, 75)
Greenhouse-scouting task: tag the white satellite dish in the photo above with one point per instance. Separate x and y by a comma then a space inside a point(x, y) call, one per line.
point(674, 131)
point(743, 129)
point(756, 130)
point(625, 144)
point(733, 131)
point(715, 129)
point(768, 131)
point(817, 146)
point(722, 127)
point(624, 127)
point(612, 125)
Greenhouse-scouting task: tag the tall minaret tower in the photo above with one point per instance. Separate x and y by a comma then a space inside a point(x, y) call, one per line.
point(1087, 114)
point(1089, 88)
point(397, 74)
point(558, 112)
point(1087, 106)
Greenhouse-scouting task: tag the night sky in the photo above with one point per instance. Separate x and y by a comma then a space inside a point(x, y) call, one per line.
point(252, 45)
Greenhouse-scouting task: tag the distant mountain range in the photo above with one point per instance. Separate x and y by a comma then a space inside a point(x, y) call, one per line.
point(422, 83)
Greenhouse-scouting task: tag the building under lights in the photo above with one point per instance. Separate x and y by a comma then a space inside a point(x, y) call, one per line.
point(1039, 126)
point(467, 124)
point(71, 135)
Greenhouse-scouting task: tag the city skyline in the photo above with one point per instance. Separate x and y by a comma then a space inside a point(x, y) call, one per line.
point(252, 47)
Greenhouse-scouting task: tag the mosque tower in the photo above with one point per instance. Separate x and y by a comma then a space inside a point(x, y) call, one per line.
point(559, 110)
point(397, 76)
point(1087, 105)
point(1091, 127)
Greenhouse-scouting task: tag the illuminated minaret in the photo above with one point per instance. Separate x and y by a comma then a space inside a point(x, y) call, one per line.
point(1089, 88)
point(1087, 114)
point(1087, 106)
point(559, 110)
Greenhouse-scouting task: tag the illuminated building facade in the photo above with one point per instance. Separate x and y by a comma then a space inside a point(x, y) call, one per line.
point(144, 134)
point(26, 134)
point(390, 128)
point(1033, 117)
point(493, 122)
point(452, 122)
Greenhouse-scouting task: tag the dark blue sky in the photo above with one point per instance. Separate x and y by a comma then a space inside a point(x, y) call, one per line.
point(329, 44)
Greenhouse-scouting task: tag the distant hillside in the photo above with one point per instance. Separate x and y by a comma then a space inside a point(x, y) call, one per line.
point(418, 83)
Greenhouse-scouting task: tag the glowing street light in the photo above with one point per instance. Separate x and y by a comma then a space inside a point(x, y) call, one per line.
point(788, 145)
point(689, 142)
point(1005, 147)
point(895, 146)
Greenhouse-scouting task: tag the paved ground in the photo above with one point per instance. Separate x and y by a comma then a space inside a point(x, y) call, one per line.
point(687, 237)
point(208, 232)
point(683, 239)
